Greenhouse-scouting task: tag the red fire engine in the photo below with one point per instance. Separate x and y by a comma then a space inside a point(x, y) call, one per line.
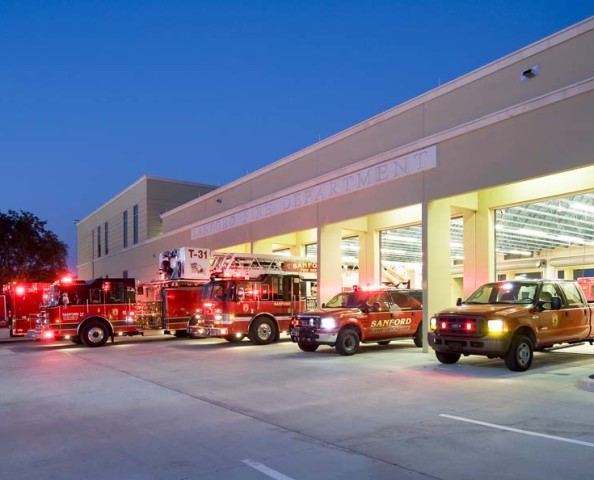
point(587, 285)
point(88, 312)
point(19, 306)
point(254, 295)
point(169, 303)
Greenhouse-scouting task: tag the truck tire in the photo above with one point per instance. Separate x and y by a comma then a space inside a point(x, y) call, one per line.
point(418, 338)
point(76, 340)
point(347, 342)
point(447, 358)
point(384, 342)
point(520, 354)
point(94, 334)
point(308, 347)
point(263, 331)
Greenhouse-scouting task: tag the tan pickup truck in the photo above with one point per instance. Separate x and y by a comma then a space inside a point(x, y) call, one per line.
point(512, 319)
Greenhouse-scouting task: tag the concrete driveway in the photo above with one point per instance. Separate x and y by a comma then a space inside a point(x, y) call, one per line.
point(165, 408)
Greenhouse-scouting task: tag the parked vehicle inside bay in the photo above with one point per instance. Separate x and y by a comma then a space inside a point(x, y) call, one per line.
point(363, 315)
point(512, 319)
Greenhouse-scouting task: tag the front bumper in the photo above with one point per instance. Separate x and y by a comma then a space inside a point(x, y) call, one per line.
point(202, 331)
point(313, 336)
point(488, 346)
point(43, 334)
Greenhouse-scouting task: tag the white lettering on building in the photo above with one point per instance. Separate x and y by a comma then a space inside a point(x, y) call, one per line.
point(393, 169)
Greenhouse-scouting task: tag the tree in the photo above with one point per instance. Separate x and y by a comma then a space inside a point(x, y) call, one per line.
point(29, 252)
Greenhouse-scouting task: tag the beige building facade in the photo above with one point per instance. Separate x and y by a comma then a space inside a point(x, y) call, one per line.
point(454, 162)
point(110, 239)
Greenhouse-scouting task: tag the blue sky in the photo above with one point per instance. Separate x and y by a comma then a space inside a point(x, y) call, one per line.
point(96, 94)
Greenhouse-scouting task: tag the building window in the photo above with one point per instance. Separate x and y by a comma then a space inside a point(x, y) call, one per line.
point(98, 241)
point(125, 228)
point(125, 274)
point(135, 224)
point(106, 226)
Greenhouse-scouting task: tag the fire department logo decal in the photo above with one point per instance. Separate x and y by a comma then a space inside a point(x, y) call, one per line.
point(555, 320)
point(246, 308)
point(114, 312)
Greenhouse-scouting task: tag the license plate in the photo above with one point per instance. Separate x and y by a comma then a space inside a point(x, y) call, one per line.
point(294, 332)
point(455, 347)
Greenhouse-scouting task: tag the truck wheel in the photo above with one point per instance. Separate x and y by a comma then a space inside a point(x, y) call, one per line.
point(520, 355)
point(181, 334)
point(263, 331)
point(418, 338)
point(447, 358)
point(234, 338)
point(76, 340)
point(94, 334)
point(347, 342)
point(384, 342)
point(10, 331)
point(308, 347)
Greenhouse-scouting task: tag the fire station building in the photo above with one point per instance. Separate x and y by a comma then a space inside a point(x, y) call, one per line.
point(488, 176)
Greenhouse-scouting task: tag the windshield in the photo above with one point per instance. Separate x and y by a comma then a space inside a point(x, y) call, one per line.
point(348, 300)
point(504, 292)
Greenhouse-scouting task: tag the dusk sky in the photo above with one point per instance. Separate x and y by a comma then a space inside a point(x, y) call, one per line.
point(96, 94)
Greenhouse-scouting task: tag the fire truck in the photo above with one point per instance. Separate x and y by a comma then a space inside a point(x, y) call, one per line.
point(587, 286)
point(88, 312)
point(170, 302)
point(19, 306)
point(255, 296)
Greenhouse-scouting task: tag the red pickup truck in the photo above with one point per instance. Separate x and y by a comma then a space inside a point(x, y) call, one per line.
point(512, 319)
point(365, 315)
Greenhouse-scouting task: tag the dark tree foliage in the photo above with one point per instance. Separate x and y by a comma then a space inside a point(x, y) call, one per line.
point(29, 252)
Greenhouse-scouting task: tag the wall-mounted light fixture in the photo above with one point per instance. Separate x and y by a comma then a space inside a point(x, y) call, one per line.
point(533, 71)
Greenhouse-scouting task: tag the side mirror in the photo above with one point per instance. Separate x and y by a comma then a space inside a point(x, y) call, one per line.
point(365, 308)
point(458, 302)
point(324, 305)
point(240, 293)
point(376, 307)
point(555, 303)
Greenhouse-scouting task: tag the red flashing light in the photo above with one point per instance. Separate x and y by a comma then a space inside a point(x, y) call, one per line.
point(49, 334)
point(19, 290)
point(469, 325)
point(66, 279)
point(443, 325)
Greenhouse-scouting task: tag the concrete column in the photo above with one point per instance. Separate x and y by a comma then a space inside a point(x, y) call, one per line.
point(484, 269)
point(369, 258)
point(470, 252)
point(329, 262)
point(436, 260)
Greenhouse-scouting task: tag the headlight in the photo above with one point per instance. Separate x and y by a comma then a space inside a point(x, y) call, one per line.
point(496, 326)
point(433, 323)
point(328, 323)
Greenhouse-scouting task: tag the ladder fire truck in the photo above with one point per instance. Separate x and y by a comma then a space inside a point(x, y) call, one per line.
point(20, 305)
point(170, 302)
point(255, 296)
point(88, 312)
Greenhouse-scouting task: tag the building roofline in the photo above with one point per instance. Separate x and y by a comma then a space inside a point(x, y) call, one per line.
point(546, 43)
point(145, 179)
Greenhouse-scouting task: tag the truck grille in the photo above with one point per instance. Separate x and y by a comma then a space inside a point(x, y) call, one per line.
point(461, 326)
point(309, 321)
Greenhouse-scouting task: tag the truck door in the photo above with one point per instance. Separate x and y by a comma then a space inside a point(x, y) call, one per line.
point(378, 323)
point(548, 321)
point(574, 319)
